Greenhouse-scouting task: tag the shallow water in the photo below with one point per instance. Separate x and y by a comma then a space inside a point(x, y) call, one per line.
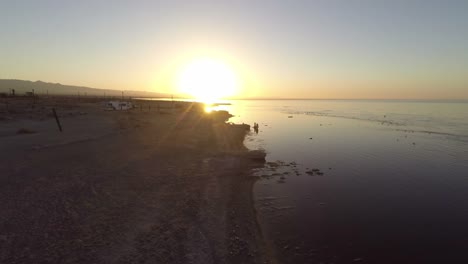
point(394, 187)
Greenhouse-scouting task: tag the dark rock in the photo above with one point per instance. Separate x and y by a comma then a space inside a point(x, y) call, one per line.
point(256, 155)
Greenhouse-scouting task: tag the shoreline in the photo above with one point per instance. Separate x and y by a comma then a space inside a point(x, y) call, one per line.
point(138, 186)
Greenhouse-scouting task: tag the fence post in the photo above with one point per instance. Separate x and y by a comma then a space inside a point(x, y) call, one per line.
point(57, 119)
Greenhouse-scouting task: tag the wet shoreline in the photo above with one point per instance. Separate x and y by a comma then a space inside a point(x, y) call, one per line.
point(338, 190)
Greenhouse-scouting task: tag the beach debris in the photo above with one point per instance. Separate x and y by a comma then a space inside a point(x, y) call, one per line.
point(310, 138)
point(290, 116)
point(272, 164)
point(270, 198)
point(279, 168)
point(315, 172)
point(283, 208)
point(25, 131)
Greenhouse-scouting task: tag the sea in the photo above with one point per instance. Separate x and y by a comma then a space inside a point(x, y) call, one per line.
point(361, 181)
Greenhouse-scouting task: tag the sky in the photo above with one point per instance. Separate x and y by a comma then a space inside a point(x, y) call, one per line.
point(278, 49)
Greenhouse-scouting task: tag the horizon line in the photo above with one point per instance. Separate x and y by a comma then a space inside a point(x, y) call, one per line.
point(241, 98)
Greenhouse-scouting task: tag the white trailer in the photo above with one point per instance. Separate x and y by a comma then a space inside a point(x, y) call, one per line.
point(119, 105)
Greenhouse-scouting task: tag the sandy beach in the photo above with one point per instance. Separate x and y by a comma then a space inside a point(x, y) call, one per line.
point(157, 184)
point(231, 132)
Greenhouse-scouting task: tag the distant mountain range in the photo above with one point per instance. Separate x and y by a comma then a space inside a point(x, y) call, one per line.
point(41, 88)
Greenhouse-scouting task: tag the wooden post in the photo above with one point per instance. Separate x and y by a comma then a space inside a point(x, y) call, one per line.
point(57, 119)
point(33, 99)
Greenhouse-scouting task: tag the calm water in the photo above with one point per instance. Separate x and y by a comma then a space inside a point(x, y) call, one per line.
point(394, 187)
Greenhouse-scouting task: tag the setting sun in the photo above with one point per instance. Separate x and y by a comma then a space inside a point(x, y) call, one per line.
point(207, 80)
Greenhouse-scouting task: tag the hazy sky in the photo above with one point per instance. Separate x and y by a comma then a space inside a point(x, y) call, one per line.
point(315, 49)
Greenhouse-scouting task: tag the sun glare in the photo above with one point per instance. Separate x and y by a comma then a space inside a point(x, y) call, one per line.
point(207, 80)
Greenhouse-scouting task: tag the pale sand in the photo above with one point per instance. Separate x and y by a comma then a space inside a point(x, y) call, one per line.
point(124, 187)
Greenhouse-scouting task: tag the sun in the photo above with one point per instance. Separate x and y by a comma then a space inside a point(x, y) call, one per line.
point(207, 80)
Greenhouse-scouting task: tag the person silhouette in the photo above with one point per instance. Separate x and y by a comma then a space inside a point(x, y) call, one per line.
point(256, 128)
